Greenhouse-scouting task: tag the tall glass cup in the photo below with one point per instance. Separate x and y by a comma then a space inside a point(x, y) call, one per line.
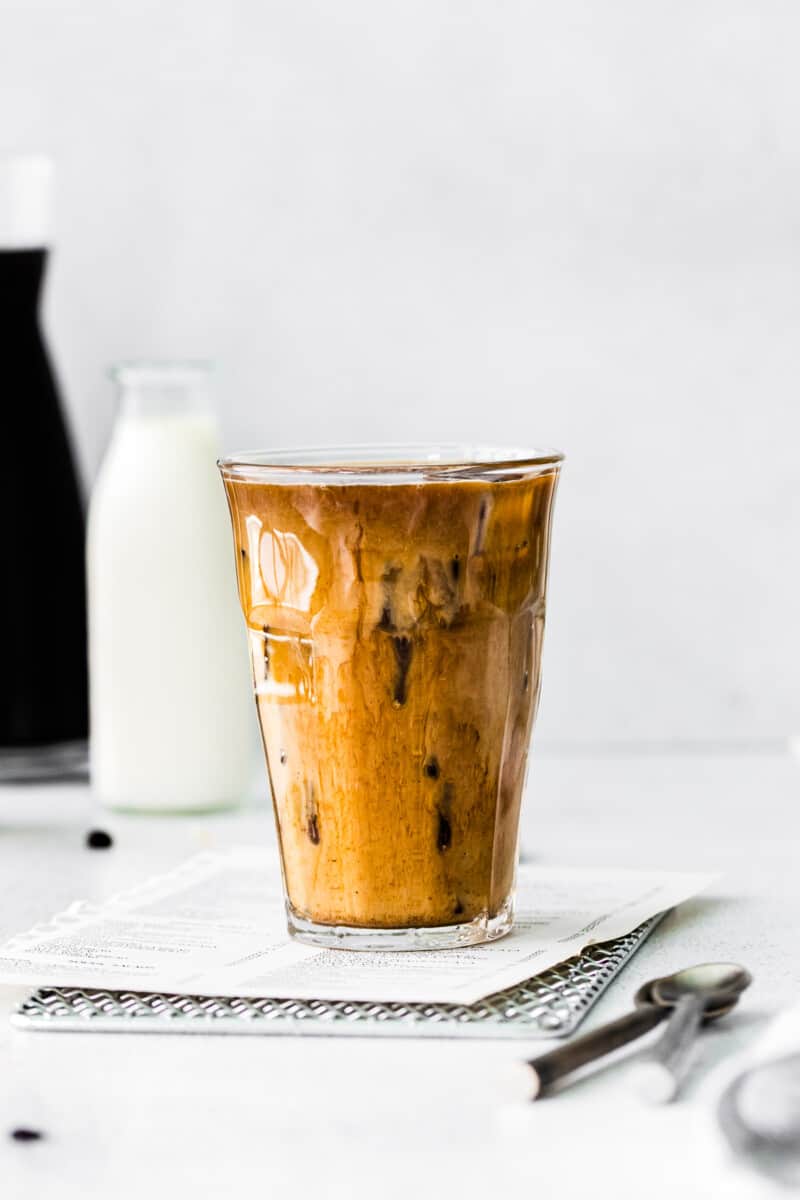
point(395, 603)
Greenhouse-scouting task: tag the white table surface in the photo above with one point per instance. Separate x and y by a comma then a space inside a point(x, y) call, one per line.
point(129, 1116)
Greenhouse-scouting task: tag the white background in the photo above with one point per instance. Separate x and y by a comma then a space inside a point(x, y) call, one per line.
point(571, 224)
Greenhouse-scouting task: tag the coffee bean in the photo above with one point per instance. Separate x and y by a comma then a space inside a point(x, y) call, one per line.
point(98, 839)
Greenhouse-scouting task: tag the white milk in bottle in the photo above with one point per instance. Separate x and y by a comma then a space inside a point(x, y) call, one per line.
point(170, 695)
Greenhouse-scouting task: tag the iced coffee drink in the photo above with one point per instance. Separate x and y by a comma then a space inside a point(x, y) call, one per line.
point(395, 607)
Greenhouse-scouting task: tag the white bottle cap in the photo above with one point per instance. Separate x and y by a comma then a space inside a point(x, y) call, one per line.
point(26, 188)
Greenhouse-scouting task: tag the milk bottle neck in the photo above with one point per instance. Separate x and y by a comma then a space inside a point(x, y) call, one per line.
point(163, 391)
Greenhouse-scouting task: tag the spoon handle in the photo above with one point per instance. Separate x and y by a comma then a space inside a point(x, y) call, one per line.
point(550, 1067)
point(658, 1075)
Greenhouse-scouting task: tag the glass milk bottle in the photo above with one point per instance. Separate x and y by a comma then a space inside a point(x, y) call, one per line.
point(170, 719)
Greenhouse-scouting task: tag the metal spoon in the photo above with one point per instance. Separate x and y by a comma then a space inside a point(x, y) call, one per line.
point(697, 993)
point(549, 1068)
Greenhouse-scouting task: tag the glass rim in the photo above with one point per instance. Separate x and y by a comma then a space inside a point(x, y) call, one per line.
point(387, 459)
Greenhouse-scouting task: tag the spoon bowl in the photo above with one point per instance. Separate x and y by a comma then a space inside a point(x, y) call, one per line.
point(719, 985)
point(644, 996)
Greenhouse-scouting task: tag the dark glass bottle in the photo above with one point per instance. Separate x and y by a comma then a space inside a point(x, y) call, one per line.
point(43, 692)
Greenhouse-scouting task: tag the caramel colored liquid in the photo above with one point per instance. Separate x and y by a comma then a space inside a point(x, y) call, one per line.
point(396, 635)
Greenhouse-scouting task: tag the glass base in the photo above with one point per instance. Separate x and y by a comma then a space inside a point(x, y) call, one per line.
point(482, 928)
